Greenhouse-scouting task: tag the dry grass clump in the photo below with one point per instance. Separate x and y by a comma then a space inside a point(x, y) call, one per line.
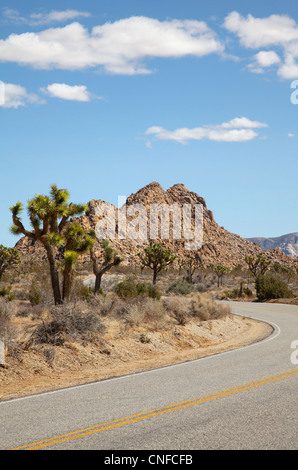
point(70, 321)
point(146, 311)
point(178, 308)
point(106, 305)
point(134, 311)
point(194, 307)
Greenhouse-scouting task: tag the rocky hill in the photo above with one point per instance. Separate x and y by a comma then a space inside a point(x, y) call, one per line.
point(287, 243)
point(219, 245)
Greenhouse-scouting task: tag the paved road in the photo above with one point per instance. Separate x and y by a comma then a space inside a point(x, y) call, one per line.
point(243, 399)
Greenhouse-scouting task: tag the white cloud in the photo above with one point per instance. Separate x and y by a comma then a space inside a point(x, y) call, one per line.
point(12, 15)
point(242, 122)
point(14, 96)
point(262, 32)
point(279, 31)
point(291, 135)
point(289, 69)
point(236, 130)
point(118, 47)
point(57, 16)
point(68, 92)
point(263, 60)
point(267, 58)
point(43, 18)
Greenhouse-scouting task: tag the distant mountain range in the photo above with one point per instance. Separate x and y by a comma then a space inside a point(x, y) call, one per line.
point(288, 244)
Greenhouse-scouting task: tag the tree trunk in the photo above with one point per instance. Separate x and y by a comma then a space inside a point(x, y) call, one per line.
point(154, 276)
point(54, 274)
point(67, 281)
point(97, 282)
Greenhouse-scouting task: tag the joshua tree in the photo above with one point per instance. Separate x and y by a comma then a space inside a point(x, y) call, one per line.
point(191, 265)
point(49, 216)
point(110, 258)
point(283, 270)
point(9, 257)
point(257, 265)
point(220, 271)
point(77, 241)
point(157, 258)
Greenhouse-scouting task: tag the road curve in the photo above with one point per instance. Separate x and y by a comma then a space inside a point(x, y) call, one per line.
point(242, 399)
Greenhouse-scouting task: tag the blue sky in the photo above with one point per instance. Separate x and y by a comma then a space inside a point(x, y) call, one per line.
point(105, 97)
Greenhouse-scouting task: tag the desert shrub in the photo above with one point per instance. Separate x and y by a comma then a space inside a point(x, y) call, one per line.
point(107, 304)
point(236, 293)
point(129, 288)
point(177, 307)
point(5, 292)
point(153, 291)
point(184, 288)
point(205, 308)
point(181, 287)
point(34, 295)
point(194, 307)
point(21, 294)
point(154, 311)
point(68, 321)
point(28, 310)
point(231, 294)
point(271, 286)
point(198, 309)
point(134, 313)
point(247, 291)
point(200, 287)
point(81, 291)
point(87, 293)
point(142, 310)
point(126, 289)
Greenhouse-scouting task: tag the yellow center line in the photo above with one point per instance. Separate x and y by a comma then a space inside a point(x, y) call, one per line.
point(269, 310)
point(149, 414)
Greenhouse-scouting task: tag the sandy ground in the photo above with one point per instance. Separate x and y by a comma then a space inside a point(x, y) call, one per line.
point(122, 352)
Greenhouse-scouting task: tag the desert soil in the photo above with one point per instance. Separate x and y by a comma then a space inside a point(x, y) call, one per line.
point(124, 352)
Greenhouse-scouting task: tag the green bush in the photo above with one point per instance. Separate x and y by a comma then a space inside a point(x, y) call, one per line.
point(271, 286)
point(247, 291)
point(128, 289)
point(153, 292)
point(181, 287)
point(236, 293)
point(232, 294)
point(184, 288)
point(5, 291)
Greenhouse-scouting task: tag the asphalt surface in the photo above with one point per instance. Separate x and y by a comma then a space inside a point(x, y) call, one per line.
point(242, 399)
